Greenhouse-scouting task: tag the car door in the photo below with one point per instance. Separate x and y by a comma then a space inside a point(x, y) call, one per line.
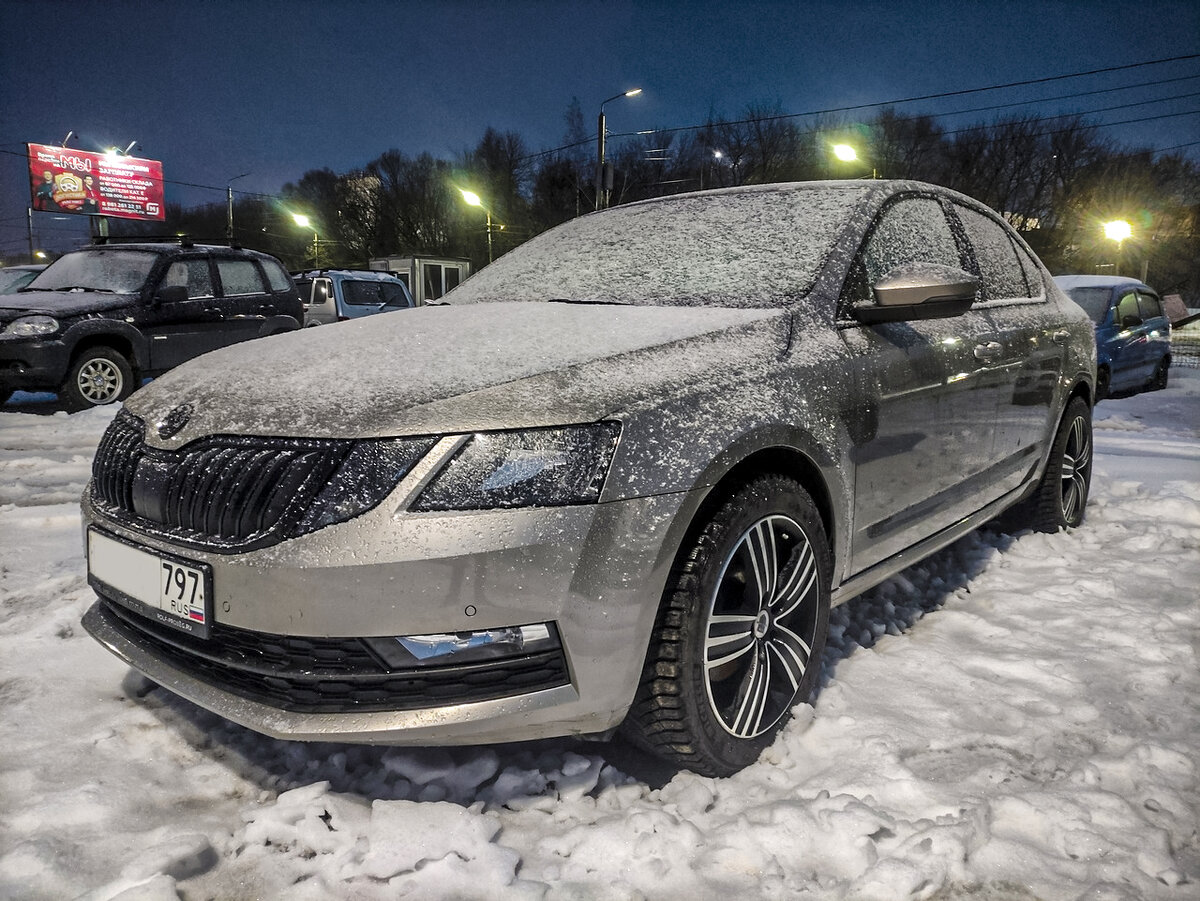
point(1024, 356)
point(1157, 330)
point(924, 433)
point(245, 301)
point(1128, 347)
point(179, 328)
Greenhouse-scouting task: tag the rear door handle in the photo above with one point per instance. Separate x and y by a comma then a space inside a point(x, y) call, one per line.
point(989, 351)
point(1061, 336)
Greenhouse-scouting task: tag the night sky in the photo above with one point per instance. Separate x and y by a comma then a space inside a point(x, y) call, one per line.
point(215, 89)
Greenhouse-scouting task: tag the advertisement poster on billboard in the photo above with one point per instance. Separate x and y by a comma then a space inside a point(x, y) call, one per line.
point(94, 184)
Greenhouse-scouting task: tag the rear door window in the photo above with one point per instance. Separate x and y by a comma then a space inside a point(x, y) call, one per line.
point(239, 277)
point(999, 266)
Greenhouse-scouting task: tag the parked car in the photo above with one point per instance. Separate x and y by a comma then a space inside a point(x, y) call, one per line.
point(98, 320)
point(1133, 334)
point(615, 481)
point(335, 295)
point(14, 278)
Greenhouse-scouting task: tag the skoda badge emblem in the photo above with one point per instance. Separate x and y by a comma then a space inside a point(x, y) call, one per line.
point(172, 424)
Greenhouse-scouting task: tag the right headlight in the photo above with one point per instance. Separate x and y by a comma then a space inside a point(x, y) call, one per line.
point(530, 468)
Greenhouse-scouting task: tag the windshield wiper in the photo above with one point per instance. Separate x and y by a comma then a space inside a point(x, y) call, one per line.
point(74, 288)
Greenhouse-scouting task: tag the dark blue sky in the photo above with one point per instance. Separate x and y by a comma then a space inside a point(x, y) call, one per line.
point(215, 88)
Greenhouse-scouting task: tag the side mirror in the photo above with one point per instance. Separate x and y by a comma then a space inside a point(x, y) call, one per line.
point(920, 291)
point(1130, 321)
point(172, 294)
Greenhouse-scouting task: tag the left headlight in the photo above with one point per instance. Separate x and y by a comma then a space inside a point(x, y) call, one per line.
point(32, 326)
point(531, 468)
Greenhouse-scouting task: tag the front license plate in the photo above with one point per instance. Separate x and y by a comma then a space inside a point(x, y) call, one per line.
point(168, 589)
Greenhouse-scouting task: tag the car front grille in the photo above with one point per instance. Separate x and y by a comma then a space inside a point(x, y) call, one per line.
point(224, 493)
point(330, 675)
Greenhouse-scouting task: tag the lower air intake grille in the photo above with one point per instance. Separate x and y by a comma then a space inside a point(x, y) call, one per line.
point(331, 675)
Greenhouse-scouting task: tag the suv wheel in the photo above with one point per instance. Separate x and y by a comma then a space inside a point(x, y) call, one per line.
point(739, 637)
point(99, 375)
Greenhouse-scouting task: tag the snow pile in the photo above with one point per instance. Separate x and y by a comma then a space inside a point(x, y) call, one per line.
point(1015, 718)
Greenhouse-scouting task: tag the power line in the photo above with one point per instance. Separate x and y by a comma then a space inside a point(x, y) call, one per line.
point(937, 96)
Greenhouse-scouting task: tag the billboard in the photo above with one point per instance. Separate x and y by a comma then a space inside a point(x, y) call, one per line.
point(94, 184)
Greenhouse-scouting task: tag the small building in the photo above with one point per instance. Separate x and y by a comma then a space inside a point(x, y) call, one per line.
point(427, 277)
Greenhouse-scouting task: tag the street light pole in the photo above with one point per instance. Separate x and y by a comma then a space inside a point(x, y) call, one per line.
point(601, 193)
point(473, 199)
point(229, 206)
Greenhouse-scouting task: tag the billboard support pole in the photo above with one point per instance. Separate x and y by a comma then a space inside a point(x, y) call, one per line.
point(99, 227)
point(29, 212)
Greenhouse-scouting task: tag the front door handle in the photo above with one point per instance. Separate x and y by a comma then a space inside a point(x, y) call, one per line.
point(989, 351)
point(1061, 336)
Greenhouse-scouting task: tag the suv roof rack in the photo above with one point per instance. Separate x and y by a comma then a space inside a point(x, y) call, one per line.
point(323, 269)
point(181, 240)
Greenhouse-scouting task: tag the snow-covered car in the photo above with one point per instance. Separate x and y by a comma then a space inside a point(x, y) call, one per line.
point(1133, 334)
point(615, 480)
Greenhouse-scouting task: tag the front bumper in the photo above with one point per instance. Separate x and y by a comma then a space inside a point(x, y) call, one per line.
point(33, 364)
point(596, 572)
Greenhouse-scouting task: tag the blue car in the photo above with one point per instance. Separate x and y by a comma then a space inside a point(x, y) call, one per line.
point(1133, 334)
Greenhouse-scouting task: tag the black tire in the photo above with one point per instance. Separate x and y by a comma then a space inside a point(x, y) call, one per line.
point(1060, 500)
point(754, 583)
point(1103, 380)
point(6, 393)
point(98, 376)
point(1161, 374)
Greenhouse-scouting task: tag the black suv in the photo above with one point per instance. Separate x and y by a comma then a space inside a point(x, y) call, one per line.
point(99, 319)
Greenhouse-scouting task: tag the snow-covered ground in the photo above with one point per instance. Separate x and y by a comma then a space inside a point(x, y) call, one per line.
point(1015, 718)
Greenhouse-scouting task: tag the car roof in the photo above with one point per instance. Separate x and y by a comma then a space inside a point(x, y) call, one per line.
point(1099, 281)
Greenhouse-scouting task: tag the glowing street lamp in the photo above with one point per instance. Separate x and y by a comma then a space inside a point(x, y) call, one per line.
point(601, 193)
point(472, 199)
point(845, 153)
point(1117, 230)
point(304, 222)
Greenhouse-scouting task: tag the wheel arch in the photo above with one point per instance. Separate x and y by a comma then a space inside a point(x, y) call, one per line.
point(126, 341)
point(774, 451)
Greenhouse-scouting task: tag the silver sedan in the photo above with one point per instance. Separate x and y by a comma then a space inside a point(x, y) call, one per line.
point(615, 481)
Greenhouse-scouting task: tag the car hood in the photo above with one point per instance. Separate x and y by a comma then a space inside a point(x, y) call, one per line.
point(435, 370)
point(59, 303)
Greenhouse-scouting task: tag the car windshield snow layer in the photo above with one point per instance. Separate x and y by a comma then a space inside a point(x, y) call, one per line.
point(716, 249)
point(117, 270)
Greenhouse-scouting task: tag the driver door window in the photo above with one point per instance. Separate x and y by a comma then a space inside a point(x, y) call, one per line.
point(1127, 306)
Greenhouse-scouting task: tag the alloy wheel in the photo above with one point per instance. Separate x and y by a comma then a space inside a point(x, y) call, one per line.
point(1076, 469)
point(761, 626)
point(100, 381)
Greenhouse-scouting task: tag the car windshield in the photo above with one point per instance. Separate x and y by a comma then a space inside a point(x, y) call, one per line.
point(732, 249)
point(1093, 300)
point(122, 271)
